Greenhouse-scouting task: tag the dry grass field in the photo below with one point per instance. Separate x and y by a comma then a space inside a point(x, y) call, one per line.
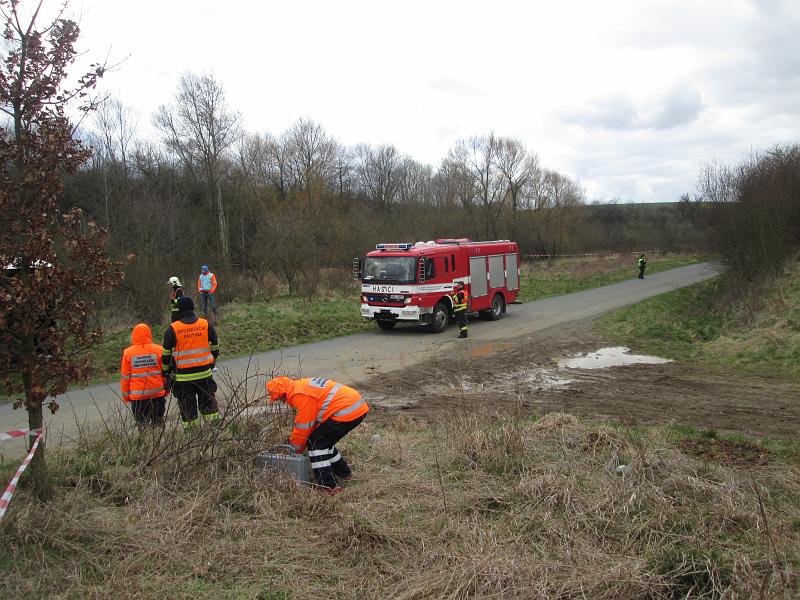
point(490, 502)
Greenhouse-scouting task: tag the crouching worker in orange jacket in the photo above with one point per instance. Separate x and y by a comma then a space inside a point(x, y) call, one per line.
point(141, 380)
point(326, 412)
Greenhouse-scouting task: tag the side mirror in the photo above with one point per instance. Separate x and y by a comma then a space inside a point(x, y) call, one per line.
point(357, 269)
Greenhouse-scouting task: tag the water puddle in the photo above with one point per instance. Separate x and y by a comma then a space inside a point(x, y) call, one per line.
point(533, 379)
point(544, 380)
point(609, 357)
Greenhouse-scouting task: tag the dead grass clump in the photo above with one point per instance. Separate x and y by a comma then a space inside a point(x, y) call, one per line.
point(555, 421)
point(485, 441)
point(547, 491)
point(602, 439)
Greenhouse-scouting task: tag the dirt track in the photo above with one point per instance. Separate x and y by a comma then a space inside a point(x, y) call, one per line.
point(524, 372)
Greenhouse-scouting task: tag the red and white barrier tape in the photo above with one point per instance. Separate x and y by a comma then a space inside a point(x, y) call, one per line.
point(594, 254)
point(6, 498)
point(19, 433)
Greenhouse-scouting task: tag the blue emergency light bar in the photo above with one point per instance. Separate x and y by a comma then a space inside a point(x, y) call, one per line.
point(405, 246)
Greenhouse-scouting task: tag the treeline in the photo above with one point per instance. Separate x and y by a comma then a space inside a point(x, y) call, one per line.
point(755, 208)
point(248, 204)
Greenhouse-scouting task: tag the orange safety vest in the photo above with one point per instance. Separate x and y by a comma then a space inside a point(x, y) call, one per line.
point(140, 371)
point(318, 399)
point(191, 349)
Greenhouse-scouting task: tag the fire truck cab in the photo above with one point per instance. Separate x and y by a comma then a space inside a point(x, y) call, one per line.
point(414, 282)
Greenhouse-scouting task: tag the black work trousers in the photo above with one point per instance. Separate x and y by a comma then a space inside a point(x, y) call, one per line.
point(461, 319)
point(326, 461)
point(641, 272)
point(149, 411)
point(192, 395)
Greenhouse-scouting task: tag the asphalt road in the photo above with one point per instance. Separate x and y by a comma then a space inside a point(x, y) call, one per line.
point(358, 357)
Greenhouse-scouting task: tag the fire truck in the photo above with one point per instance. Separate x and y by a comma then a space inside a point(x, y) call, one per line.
point(414, 282)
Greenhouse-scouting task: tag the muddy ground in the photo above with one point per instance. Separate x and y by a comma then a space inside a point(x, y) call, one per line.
point(522, 374)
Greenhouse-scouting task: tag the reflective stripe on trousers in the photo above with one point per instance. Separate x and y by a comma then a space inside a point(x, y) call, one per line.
point(322, 458)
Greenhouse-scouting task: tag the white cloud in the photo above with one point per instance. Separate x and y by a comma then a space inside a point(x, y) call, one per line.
point(630, 98)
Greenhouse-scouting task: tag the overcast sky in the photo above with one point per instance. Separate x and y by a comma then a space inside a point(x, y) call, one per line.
point(629, 98)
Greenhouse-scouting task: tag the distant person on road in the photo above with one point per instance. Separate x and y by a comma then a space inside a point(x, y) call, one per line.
point(460, 298)
point(207, 287)
point(326, 412)
point(142, 379)
point(191, 349)
point(177, 292)
point(642, 266)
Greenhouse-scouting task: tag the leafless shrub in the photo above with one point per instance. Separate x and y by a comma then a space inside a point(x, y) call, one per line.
point(308, 284)
point(339, 281)
point(756, 212)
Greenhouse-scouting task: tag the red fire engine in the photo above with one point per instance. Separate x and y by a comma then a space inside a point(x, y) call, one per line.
point(414, 282)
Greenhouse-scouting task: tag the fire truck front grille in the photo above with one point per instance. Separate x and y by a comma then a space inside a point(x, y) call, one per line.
point(391, 299)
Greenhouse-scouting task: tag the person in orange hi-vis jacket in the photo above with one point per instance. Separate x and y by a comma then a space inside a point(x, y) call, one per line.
point(142, 382)
point(326, 412)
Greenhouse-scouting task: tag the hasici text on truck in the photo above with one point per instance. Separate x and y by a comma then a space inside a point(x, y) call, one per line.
point(410, 282)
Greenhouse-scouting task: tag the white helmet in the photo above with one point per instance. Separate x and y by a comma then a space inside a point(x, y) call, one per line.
point(175, 281)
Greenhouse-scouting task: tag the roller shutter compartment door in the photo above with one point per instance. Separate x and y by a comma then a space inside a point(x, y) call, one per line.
point(477, 276)
point(511, 271)
point(497, 271)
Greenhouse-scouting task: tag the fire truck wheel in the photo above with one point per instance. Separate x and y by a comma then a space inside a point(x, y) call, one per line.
point(440, 318)
point(385, 323)
point(494, 313)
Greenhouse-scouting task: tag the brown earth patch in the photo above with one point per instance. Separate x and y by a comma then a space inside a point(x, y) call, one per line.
point(729, 452)
point(522, 374)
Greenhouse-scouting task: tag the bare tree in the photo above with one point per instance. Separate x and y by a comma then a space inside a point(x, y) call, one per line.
point(415, 182)
point(519, 170)
point(114, 132)
point(311, 157)
point(200, 128)
point(475, 160)
point(379, 173)
point(116, 126)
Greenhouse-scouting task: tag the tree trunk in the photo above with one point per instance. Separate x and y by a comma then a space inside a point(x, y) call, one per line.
point(224, 244)
point(38, 467)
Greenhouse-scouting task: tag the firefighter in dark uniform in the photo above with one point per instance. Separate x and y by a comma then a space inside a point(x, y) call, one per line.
point(642, 266)
point(177, 292)
point(460, 298)
point(190, 352)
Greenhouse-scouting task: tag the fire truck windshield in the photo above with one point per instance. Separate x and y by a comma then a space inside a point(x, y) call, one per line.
point(391, 269)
